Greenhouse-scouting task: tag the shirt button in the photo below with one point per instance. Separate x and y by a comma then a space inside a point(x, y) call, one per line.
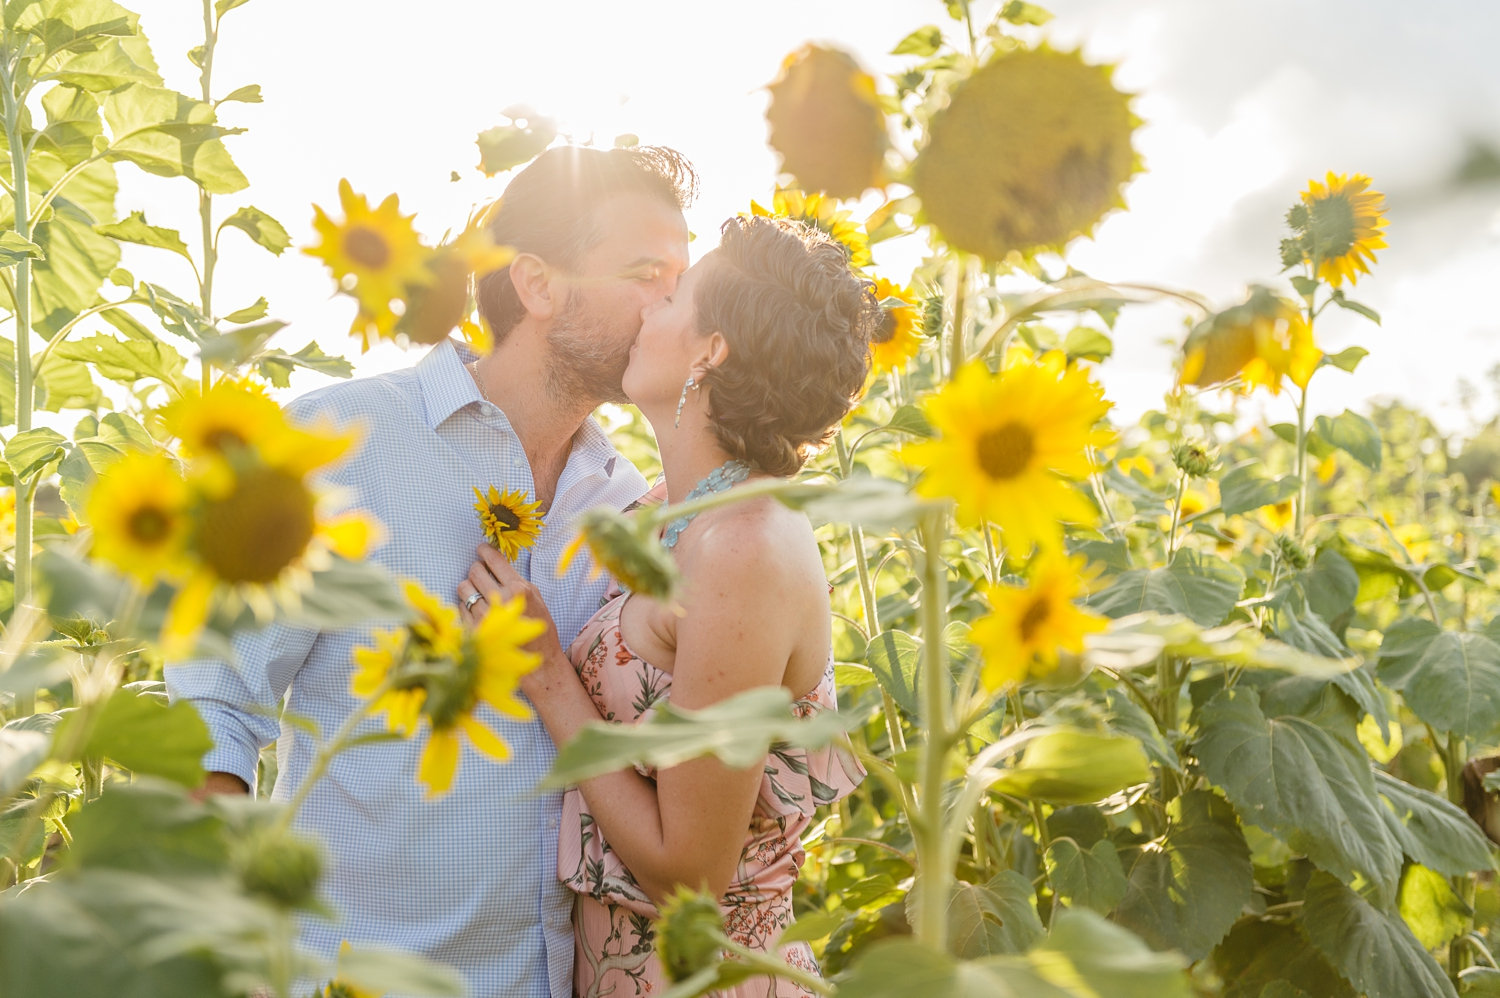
point(551, 822)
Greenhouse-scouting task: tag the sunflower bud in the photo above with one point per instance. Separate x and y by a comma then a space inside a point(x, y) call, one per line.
point(826, 122)
point(1289, 551)
point(627, 550)
point(690, 934)
point(932, 315)
point(1194, 459)
point(279, 867)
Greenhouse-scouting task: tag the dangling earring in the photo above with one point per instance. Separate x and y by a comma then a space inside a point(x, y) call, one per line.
point(682, 401)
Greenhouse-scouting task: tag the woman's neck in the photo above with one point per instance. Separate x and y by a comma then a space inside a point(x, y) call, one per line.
point(688, 456)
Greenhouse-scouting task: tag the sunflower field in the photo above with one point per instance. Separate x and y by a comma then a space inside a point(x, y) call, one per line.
point(1197, 705)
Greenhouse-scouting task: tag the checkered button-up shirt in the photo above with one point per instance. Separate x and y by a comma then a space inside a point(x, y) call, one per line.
point(468, 879)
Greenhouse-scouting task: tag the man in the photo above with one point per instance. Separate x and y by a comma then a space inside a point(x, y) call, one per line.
point(468, 879)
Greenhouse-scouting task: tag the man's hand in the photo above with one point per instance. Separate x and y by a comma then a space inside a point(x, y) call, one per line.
point(220, 783)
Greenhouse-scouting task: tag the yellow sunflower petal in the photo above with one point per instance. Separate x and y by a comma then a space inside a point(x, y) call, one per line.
point(439, 761)
point(483, 739)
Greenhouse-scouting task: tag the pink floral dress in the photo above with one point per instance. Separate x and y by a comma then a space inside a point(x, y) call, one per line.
point(614, 952)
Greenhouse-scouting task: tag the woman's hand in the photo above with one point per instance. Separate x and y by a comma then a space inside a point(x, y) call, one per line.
point(495, 579)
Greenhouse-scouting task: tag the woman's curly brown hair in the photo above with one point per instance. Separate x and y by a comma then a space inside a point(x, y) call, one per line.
point(798, 322)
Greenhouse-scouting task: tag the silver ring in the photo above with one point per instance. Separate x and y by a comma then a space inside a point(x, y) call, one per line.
point(469, 603)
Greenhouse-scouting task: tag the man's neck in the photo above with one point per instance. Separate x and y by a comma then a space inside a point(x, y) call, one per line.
point(515, 379)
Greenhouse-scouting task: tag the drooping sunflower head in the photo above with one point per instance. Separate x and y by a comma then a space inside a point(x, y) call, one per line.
point(510, 522)
point(1028, 626)
point(827, 123)
point(1261, 341)
point(627, 549)
point(896, 341)
point(140, 509)
point(434, 309)
point(375, 254)
point(1009, 445)
point(690, 934)
point(1032, 150)
point(823, 214)
point(1336, 228)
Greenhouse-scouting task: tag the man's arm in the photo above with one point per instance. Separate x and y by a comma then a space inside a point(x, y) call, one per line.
point(241, 702)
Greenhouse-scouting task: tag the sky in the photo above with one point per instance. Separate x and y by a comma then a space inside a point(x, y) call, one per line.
point(1244, 101)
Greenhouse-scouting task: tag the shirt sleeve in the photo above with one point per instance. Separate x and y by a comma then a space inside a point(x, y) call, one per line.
point(241, 701)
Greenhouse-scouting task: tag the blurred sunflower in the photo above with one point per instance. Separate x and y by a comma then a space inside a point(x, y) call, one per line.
point(826, 122)
point(230, 416)
point(1028, 625)
point(1338, 228)
point(824, 215)
point(628, 550)
point(341, 986)
point(1261, 341)
point(897, 341)
point(510, 522)
point(374, 253)
point(1008, 446)
point(434, 309)
point(1032, 150)
point(140, 509)
point(7, 518)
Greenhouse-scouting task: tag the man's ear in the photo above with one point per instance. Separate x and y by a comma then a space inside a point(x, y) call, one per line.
point(534, 286)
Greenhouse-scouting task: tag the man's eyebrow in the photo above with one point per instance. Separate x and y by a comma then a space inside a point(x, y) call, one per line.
point(644, 261)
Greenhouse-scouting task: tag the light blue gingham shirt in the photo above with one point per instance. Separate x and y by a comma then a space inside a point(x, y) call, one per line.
point(469, 879)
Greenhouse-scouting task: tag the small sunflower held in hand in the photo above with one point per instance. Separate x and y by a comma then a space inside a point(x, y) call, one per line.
point(510, 523)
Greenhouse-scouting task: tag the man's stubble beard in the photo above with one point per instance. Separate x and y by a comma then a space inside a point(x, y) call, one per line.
point(582, 361)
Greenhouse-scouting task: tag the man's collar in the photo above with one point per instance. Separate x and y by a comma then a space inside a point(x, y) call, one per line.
point(446, 384)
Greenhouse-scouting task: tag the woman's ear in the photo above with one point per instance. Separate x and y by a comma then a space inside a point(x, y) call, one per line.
point(532, 280)
point(714, 352)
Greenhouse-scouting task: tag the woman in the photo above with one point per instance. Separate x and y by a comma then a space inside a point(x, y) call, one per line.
point(742, 373)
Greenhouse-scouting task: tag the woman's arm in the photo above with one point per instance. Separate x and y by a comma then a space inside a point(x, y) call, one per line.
point(737, 632)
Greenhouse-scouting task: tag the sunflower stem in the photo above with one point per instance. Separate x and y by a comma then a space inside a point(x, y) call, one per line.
point(889, 709)
point(12, 104)
point(934, 864)
point(332, 748)
point(205, 200)
point(956, 343)
point(1182, 480)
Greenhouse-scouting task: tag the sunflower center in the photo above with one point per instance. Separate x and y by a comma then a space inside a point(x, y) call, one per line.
point(1332, 225)
point(505, 517)
point(367, 247)
point(887, 328)
point(150, 525)
point(1035, 616)
point(1005, 451)
point(259, 529)
point(223, 439)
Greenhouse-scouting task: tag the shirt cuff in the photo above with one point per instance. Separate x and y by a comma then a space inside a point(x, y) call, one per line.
point(235, 750)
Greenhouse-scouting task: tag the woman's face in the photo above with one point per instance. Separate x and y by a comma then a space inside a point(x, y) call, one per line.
point(662, 357)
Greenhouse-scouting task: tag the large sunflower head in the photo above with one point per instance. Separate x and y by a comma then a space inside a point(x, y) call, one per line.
point(823, 214)
point(896, 341)
point(1028, 626)
point(140, 509)
point(1261, 342)
point(510, 522)
point(1009, 445)
point(1337, 228)
point(827, 123)
point(374, 253)
point(1031, 151)
point(435, 309)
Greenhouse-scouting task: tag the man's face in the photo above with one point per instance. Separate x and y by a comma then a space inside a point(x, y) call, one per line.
point(636, 263)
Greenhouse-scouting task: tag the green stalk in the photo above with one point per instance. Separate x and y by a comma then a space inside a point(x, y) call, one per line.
point(1454, 754)
point(205, 200)
point(889, 709)
point(25, 394)
point(956, 343)
point(934, 864)
point(1300, 513)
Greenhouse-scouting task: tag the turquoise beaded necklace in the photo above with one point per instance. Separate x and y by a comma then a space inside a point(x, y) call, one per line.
point(721, 478)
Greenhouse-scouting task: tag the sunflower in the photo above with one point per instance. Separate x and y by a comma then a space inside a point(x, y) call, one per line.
point(140, 509)
point(627, 549)
point(1338, 228)
point(432, 670)
point(375, 254)
point(1031, 151)
point(1028, 625)
point(1261, 341)
point(435, 309)
point(235, 415)
point(898, 340)
point(341, 986)
point(1008, 444)
point(827, 123)
point(824, 215)
point(7, 518)
point(510, 522)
